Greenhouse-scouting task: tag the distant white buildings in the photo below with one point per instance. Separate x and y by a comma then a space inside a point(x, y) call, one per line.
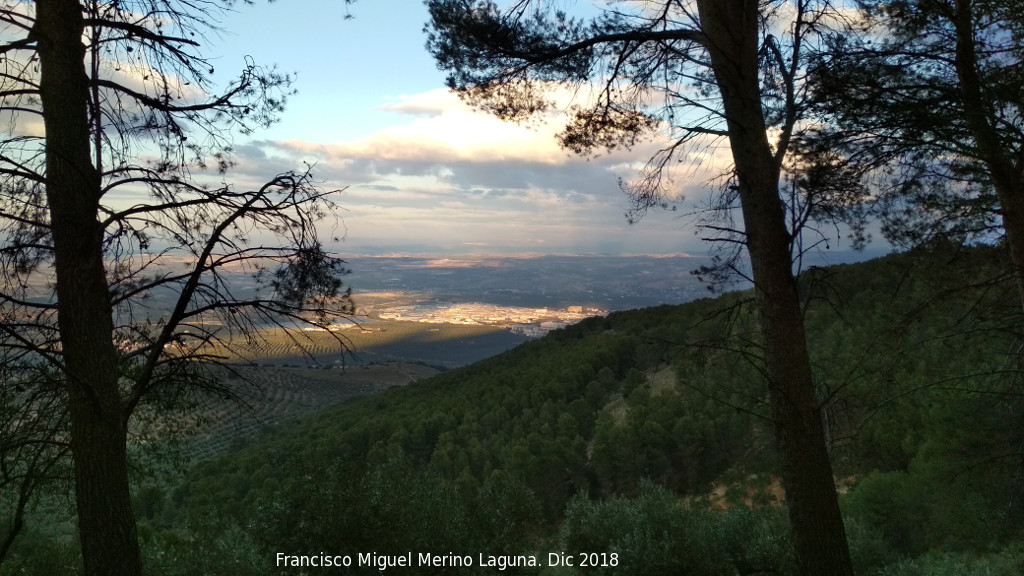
point(531, 322)
point(528, 330)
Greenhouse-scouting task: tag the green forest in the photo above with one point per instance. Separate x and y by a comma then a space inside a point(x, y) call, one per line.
point(855, 419)
point(644, 434)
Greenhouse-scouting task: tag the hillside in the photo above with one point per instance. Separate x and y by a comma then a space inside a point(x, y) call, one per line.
point(645, 434)
point(914, 354)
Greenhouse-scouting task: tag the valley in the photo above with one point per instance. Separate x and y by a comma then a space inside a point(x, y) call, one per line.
point(640, 433)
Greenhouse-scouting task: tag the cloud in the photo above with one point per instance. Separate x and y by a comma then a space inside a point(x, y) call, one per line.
point(440, 138)
point(442, 130)
point(432, 103)
point(448, 176)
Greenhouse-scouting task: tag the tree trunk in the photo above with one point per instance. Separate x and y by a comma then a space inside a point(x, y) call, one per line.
point(106, 523)
point(731, 31)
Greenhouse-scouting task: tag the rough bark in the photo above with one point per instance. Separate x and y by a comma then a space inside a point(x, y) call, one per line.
point(98, 424)
point(731, 31)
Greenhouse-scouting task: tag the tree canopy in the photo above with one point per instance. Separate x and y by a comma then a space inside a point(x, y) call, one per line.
point(732, 71)
point(112, 190)
point(930, 93)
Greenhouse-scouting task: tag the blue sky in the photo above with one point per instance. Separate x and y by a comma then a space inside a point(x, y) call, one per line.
point(422, 173)
point(347, 69)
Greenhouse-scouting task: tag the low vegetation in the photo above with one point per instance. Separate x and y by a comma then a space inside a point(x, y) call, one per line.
point(371, 340)
point(643, 434)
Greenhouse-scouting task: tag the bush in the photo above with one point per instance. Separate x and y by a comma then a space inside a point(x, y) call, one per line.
point(35, 556)
point(655, 533)
point(756, 540)
point(890, 504)
point(212, 548)
point(869, 550)
point(48, 545)
point(1006, 562)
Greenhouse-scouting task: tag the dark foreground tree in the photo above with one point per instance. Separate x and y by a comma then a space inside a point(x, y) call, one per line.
point(109, 116)
point(934, 91)
point(722, 69)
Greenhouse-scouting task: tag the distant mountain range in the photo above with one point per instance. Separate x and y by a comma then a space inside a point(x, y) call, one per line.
point(601, 282)
point(605, 282)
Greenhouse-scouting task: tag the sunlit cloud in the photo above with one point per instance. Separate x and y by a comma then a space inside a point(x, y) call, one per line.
point(450, 176)
point(442, 129)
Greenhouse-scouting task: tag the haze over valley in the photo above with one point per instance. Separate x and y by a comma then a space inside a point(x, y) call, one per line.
point(448, 311)
point(601, 283)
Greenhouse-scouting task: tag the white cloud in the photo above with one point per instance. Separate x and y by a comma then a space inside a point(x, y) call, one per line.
point(444, 129)
point(432, 103)
point(451, 176)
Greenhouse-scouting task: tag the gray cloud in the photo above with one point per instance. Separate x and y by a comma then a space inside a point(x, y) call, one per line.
point(459, 181)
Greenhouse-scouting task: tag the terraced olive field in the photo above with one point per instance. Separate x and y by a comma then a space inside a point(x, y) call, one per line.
point(445, 345)
point(283, 375)
point(271, 396)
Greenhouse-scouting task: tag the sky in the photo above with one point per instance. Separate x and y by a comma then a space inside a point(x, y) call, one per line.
point(420, 172)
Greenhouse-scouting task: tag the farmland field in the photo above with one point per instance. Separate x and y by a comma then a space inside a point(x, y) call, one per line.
point(445, 345)
point(285, 374)
point(270, 396)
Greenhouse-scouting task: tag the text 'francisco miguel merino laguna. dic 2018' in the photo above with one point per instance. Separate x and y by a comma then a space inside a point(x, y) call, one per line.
point(408, 560)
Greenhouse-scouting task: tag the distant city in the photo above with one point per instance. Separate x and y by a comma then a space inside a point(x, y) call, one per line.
point(530, 295)
point(530, 322)
point(520, 296)
point(601, 282)
point(527, 295)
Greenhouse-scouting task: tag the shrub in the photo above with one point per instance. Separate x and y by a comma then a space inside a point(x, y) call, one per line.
point(655, 533)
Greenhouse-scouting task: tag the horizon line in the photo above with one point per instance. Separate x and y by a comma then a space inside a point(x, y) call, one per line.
point(515, 255)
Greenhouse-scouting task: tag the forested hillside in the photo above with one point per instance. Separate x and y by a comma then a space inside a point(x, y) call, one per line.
point(568, 442)
point(645, 434)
